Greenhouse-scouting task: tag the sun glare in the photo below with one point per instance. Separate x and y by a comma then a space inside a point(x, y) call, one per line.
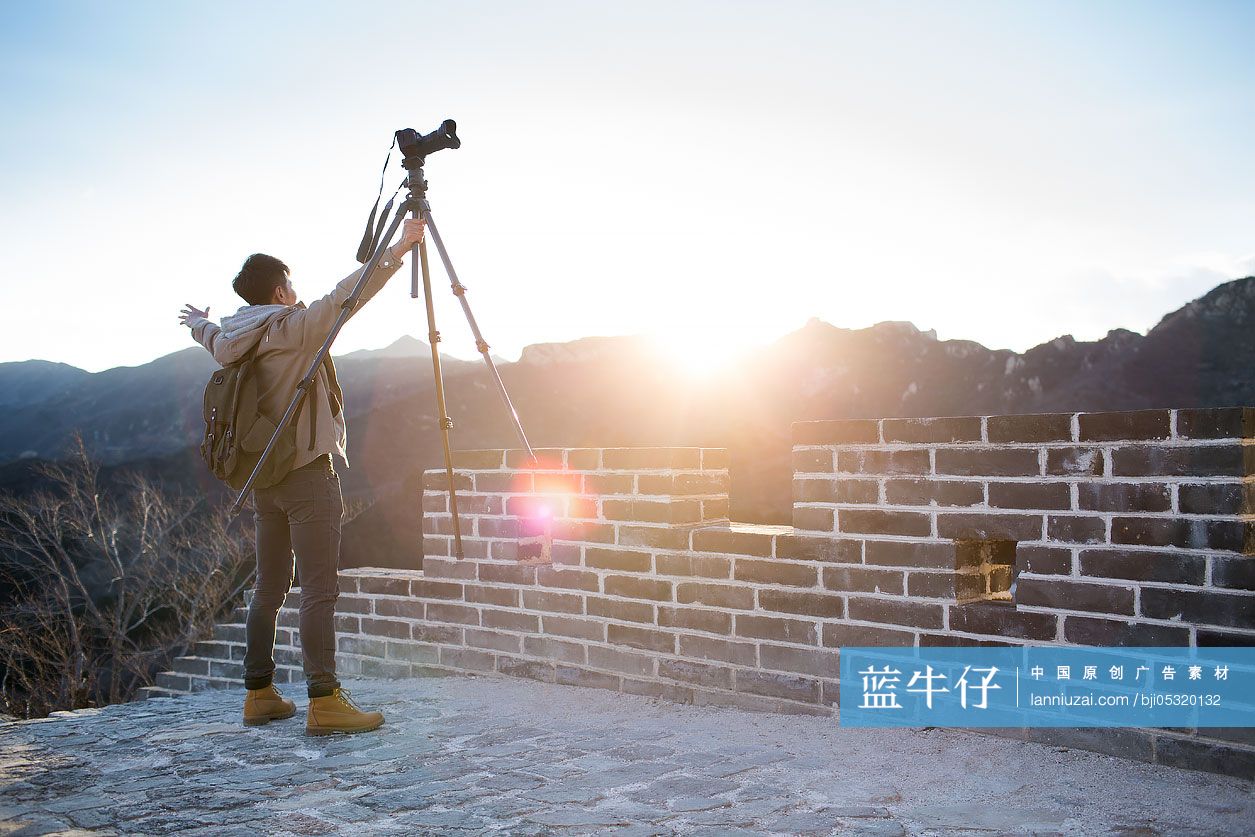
point(702, 353)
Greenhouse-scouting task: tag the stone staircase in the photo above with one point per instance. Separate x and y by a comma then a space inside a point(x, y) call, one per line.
point(218, 663)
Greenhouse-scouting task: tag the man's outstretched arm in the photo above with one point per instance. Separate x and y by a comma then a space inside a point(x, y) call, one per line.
point(204, 331)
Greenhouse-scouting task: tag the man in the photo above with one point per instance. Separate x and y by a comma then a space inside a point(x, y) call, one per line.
point(303, 511)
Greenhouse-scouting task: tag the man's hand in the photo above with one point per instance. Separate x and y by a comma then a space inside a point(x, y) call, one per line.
point(411, 234)
point(190, 312)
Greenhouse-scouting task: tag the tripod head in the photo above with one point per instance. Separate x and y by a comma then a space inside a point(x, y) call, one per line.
point(416, 146)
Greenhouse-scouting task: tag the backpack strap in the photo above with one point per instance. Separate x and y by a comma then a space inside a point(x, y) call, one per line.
point(313, 418)
point(335, 395)
point(243, 364)
point(335, 398)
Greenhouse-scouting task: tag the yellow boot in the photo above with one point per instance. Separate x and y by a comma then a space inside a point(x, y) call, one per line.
point(261, 706)
point(337, 713)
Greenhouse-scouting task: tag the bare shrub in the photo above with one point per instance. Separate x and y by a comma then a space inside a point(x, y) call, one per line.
point(106, 586)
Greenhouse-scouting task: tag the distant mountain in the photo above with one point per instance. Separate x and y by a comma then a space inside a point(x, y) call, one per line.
point(32, 381)
point(584, 350)
point(403, 347)
point(408, 346)
point(123, 413)
point(155, 409)
point(604, 391)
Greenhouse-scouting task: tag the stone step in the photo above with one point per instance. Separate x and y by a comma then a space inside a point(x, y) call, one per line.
point(220, 669)
point(214, 650)
point(182, 683)
point(191, 665)
point(229, 632)
point(152, 692)
point(192, 673)
point(174, 682)
point(221, 676)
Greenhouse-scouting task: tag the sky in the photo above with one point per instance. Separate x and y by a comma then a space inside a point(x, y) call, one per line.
point(713, 174)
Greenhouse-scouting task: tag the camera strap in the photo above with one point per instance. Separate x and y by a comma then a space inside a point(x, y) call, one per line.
point(370, 239)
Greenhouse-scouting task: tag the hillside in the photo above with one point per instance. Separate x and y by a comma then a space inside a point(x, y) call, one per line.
point(624, 391)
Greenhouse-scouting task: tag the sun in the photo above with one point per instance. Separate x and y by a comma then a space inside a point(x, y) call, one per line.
point(702, 352)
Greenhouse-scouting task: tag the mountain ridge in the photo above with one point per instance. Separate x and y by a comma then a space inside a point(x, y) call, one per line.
point(408, 346)
point(621, 391)
point(890, 368)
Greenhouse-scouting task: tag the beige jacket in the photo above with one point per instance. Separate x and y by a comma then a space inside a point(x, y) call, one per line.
point(288, 337)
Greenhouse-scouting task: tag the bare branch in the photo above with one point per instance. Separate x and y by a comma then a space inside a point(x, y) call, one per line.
point(108, 585)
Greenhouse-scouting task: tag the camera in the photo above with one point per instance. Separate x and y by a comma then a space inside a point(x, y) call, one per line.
point(414, 144)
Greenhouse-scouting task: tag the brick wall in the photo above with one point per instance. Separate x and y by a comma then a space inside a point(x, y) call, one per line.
point(618, 568)
point(1126, 528)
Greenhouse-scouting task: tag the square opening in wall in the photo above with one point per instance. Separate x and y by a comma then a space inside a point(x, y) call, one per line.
point(984, 570)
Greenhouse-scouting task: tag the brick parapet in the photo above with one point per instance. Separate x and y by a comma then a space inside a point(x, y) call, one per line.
point(1129, 528)
point(618, 568)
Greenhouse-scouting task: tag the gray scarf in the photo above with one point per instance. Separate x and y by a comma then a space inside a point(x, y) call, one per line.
point(248, 319)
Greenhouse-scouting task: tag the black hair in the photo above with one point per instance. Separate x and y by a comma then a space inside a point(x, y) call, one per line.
point(259, 277)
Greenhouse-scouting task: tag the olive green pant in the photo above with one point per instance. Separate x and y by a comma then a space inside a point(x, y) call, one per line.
point(302, 513)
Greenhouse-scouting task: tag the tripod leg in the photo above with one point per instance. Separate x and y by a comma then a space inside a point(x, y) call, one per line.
point(460, 292)
point(419, 253)
point(306, 382)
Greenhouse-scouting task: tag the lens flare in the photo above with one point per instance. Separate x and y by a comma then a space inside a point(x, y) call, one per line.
point(702, 352)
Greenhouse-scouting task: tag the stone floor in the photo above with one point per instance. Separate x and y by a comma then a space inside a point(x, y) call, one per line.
point(476, 755)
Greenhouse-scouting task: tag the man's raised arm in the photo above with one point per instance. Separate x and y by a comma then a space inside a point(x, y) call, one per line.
point(310, 326)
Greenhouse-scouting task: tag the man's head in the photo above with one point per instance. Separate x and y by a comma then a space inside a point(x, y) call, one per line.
point(263, 280)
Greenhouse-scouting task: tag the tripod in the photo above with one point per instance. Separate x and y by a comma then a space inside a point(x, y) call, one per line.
point(415, 148)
